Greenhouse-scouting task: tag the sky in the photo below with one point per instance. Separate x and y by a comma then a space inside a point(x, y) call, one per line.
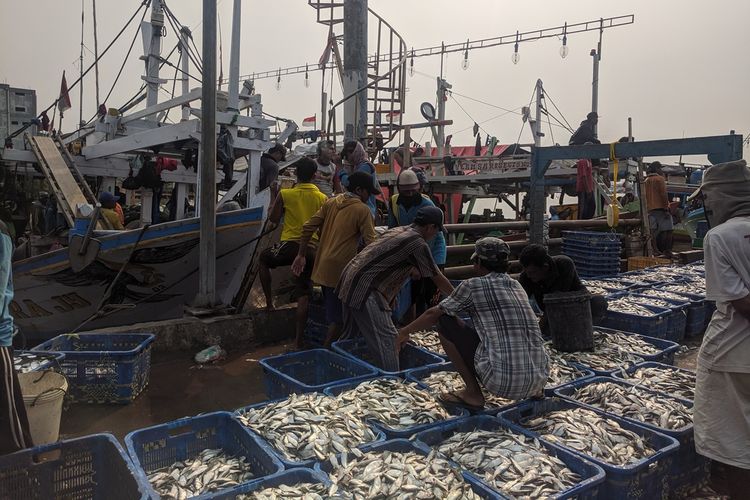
point(681, 70)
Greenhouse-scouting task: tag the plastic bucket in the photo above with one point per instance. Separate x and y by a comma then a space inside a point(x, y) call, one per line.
point(569, 320)
point(43, 394)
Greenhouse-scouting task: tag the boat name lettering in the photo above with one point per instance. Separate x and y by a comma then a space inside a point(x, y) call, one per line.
point(493, 164)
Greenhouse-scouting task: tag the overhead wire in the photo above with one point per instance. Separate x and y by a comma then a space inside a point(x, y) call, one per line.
point(546, 94)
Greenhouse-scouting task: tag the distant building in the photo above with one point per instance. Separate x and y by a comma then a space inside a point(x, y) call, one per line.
point(17, 108)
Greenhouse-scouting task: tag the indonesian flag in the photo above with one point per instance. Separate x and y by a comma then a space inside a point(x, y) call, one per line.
point(63, 101)
point(309, 121)
point(393, 115)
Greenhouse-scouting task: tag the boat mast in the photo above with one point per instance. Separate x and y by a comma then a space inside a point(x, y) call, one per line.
point(355, 69)
point(153, 53)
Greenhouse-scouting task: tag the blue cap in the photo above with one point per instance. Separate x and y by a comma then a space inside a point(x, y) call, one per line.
point(107, 197)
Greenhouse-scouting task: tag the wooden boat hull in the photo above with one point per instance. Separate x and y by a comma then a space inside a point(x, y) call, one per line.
point(160, 280)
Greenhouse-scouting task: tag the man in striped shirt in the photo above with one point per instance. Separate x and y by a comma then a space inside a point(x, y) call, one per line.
point(372, 279)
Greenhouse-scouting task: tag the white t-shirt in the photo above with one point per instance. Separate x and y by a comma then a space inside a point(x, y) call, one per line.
point(324, 178)
point(726, 344)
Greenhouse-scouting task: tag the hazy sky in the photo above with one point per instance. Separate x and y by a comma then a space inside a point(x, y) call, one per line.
point(683, 68)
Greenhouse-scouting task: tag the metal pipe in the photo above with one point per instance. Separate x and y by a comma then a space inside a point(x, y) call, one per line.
point(185, 63)
point(514, 245)
point(207, 271)
point(152, 73)
point(553, 224)
point(233, 100)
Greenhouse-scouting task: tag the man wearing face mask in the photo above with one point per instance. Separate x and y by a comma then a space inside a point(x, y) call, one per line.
point(722, 392)
point(402, 212)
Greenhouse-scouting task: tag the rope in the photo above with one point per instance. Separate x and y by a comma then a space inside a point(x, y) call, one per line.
point(569, 126)
point(613, 216)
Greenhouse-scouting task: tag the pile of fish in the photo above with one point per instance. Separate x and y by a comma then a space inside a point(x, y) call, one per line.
point(684, 288)
point(309, 426)
point(605, 357)
point(597, 290)
point(605, 287)
point(663, 294)
point(210, 470)
point(630, 343)
point(589, 433)
point(393, 403)
point(562, 373)
point(390, 474)
point(515, 465)
point(448, 381)
point(671, 381)
point(26, 362)
point(655, 301)
point(304, 491)
point(629, 305)
point(429, 340)
point(636, 404)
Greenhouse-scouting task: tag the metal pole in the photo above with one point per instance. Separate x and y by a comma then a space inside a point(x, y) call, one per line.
point(152, 72)
point(185, 63)
point(207, 272)
point(538, 123)
point(597, 55)
point(440, 139)
point(96, 52)
point(80, 85)
point(233, 101)
point(355, 69)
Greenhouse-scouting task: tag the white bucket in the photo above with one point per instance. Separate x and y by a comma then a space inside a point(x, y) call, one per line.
point(43, 394)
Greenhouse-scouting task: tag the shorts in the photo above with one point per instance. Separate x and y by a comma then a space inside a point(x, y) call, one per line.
point(332, 303)
point(660, 221)
point(283, 254)
point(461, 335)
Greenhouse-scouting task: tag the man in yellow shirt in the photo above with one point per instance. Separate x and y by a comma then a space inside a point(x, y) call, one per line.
point(108, 202)
point(297, 205)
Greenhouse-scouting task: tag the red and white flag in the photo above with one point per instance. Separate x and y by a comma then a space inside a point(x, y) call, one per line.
point(63, 101)
point(393, 115)
point(309, 121)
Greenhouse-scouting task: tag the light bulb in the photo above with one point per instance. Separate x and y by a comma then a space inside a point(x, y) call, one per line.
point(278, 83)
point(515, 58)
point(465, 62)
point(564, 51)
point(307, 81)
point(411, 69)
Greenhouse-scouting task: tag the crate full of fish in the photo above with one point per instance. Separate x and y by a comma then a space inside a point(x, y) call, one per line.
point(652, 409)
point(102, 367)
point(676, 382)
point(310, 371)
point(398, 408)
point(410, 356)
point(429, 341)
point(33, 361)
point(677, 319)
point(631, 315)
point(198, 456)
point(400, 469)
point(695, 311)
point(295, 484)
point(643, 346)
point(444, 379)
point(636, 459)
point(94, 467)
point(512, 462)
point(305, 428)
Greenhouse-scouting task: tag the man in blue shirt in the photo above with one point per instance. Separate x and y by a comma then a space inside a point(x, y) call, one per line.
point(14, 425)
point(402, 211)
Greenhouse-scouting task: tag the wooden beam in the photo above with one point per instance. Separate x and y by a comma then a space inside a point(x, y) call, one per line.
point(146, 139)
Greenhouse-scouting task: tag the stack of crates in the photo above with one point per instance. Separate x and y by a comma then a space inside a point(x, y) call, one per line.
point(595, 254)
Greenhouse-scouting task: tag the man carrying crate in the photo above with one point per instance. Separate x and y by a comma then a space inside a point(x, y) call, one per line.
point(14, 425)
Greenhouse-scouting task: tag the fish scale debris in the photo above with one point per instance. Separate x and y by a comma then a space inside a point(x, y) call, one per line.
point(448, 381)
point(209, 471)
point(636, 404)
point(309, 426)
point(393, 403)
point(304, 491)
point(406, 476)
point(516, 465)
point(671, 381)
point(427, 339)
point(587, 432)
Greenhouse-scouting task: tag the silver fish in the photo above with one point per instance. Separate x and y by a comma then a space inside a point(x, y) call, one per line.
point(671, 381)
point(393, 403)
point(630, 343)
point(450, 381)
point(690, 288)
point(407, 476)
point(514, 464)
point(603, 358)
point(25, 362)
point(636, 404)
point(663, 294)
point(561, 372)
point(427, 339)
point(211, 470)
point(629, 305)
point(309, 426)
point(597, 290)
point(591, 434)
point(304, 491)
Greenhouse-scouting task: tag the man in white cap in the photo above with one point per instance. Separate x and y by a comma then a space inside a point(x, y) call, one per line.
point(504, 351)
point(722, 396)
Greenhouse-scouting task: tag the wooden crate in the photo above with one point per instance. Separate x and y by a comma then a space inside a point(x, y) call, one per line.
point(635, 263)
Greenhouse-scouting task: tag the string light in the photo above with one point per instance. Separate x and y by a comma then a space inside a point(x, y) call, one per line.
point(465, 62)
point(411, 64)
point(307, 78)
point(516, 57)
point(278, 80)
point(564, 47)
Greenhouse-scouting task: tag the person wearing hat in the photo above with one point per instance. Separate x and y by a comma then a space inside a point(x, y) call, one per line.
point(657, 204)
point(586, 131)
point(504, 351)
point(343, 222)
point(269, 166)
point(371, 280)
point(108, 202)
point(722, 393)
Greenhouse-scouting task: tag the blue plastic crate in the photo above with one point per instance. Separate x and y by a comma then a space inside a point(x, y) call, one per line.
point(379, 436)
point(310, 371)
point(618, 374)
point(94, 467)
point(417, 375)
point(696, 312)
point(650, 326)
point(406, 446)
point(48, 360)
point(391, 433)
point(621, 284)
point(591, 475)
point(410, 356)
point(645, 479)
point(593, 238)
point(687, 466)
point(160, 446)
point(288, 477)
point(579, 256)
point(667, 348)
point(677, 320)
point(102, 367)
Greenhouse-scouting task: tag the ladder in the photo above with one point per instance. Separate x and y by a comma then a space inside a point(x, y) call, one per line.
point(386, 75)
point(67, 183)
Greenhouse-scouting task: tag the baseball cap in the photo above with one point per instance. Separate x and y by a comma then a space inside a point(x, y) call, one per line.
point(106, 196)
point(362, 180)
point(733, 172)
point(490, 249)
point(429, 215)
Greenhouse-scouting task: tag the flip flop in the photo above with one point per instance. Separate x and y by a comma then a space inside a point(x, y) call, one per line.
point(452, 398)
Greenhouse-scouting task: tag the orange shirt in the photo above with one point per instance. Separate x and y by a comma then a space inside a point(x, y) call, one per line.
point(656, 192)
